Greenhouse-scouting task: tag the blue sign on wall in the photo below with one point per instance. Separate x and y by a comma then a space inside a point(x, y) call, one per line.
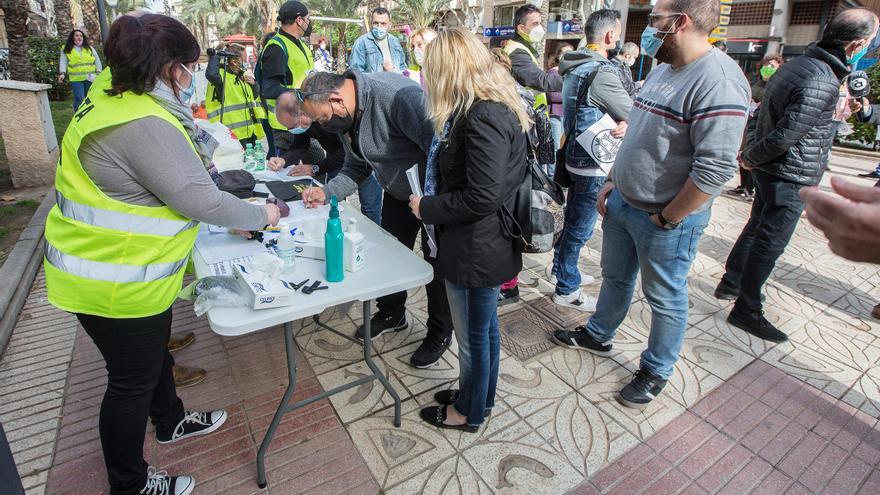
point(499, 31)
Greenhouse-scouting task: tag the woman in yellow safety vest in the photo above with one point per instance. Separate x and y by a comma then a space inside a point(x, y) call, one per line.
point(80, 63)
point(233, 94)
point(131, 188)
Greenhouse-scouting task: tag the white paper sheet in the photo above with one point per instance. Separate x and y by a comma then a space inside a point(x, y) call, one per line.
point(412, 175)
point(599, 143)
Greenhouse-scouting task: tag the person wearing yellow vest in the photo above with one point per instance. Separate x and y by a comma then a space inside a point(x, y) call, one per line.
point(524, 56)
point(79, 63)
point(131, 189)
point(231, 97)
point(417, 43)
point(285, 61)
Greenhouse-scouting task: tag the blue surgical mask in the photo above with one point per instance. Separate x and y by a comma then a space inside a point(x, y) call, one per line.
point(650, 44)
point(297, 130)
point(187, 93)
point(854, 59)
point(379, 33)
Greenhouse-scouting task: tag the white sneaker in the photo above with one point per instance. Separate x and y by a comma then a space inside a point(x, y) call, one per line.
point(577, 301)
point(585, 279)
point(159, 483)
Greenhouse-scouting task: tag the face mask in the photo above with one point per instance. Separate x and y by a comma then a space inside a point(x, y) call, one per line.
point(297, 130)
point(379, 33)
point(338, 124)
point(854, 59)
point(536, 35)
point(767, 71)
point(307, 31)
point(186, 94)
point(613, 53)
point(629, 62)
point(419, 55)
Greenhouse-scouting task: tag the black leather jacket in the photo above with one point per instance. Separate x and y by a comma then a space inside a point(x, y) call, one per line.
point(794, 129)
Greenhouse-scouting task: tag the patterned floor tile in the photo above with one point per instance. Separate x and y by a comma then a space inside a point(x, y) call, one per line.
point(453, 476)
point(835, 338)
point(529, 387)
point(815, 287)
point(716, 327)
point(517, 468)
point(418, 380)
point(865, 393)
point(713, 354)
point(364, 399)
point(819, 370)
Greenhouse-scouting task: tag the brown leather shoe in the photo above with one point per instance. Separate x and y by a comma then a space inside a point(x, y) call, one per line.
point(178, 342)
point(876, 312)
point(185, 376)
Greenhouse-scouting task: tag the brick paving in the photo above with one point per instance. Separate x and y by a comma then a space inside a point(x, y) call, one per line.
point(738, 416)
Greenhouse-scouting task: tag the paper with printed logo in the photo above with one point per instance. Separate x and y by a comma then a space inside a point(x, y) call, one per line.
point(599, 142)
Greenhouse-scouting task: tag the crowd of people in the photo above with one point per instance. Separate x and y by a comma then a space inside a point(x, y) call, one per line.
point(137, 177)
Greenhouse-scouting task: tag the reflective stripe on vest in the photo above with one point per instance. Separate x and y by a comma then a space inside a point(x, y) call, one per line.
point(229, 108)
point(116, 220)
point(240, 110)
point(539, 94)
point(111, 272)
point(299, 64)
point(80, 64)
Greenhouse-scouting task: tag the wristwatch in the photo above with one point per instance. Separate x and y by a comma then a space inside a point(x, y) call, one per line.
point(315, 170)
point(666, 224)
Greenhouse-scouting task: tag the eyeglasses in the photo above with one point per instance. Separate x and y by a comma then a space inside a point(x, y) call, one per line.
point(653, 18)
point(302, 95)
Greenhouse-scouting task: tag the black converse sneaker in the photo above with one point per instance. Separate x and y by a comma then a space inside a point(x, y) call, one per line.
point(755, 324)
point(644, 387)
point(193, 425)
point(159, 483)
point(579, 338)
point(430, 350)
point(380, 324)
point(508, 296)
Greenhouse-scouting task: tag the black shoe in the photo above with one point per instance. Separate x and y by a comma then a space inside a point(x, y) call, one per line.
point(193, 425)
point(160, 483)
point(726, 292)
point(430, 350)
point(755, 324)
point(508, 296)
point(736, 191)
point(871, 175)
point(436, 415)
point(380, 324)
point(579, 338)
point(448, 398)
point(644, 387)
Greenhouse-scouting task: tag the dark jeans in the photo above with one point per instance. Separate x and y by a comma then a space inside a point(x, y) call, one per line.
point(746, 181)
point(270, 138)
point(80, 90)
point(580, 219)
point(140, 384)
point(398, 220)
point(10, 482)
point(475, 314)
point(775, 214)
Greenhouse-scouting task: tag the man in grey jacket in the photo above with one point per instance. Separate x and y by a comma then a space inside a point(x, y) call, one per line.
point(384, 128)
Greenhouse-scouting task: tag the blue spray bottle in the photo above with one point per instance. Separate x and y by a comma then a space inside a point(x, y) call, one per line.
point(333, 242)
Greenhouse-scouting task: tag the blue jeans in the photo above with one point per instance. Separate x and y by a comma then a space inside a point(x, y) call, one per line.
point(475, 318)
point(370, 195)
point(631, 242)
point(80, 90)
point(580, 218)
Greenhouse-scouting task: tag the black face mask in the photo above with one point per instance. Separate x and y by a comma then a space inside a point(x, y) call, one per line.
point(307, 31)
point(338, 124)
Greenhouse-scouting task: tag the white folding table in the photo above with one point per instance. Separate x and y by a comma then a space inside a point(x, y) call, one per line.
point(390, 267)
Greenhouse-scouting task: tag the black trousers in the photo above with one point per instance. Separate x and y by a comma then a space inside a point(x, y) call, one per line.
point(775, 214)
point(10, 482)
point(140, 384)
point(746, 181)
point(399, 221)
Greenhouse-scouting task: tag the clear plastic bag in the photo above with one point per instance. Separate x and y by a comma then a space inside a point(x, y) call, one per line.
point(212, 291)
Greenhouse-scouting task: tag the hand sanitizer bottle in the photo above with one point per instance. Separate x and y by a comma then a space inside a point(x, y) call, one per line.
point(353, 247)
point(333, 240)
point(287, 249)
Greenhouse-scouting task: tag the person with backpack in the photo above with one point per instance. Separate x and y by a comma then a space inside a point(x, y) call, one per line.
point(476, 164)
point(591, 89)
point(285, 61)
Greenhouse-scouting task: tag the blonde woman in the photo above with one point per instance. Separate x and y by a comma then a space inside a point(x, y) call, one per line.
point(417, 43)
point(474, 168)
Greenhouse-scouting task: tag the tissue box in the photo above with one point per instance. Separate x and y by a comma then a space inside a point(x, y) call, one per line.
point(271, 293)
point(311, 248)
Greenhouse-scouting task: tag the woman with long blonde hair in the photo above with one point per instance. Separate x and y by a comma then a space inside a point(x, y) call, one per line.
point(475, 167)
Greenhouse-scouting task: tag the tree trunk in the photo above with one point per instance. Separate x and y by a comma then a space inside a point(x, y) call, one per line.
point(63, 18)
point(340, 55)
point(545, 15)
point(90, 19)
point(16, 17)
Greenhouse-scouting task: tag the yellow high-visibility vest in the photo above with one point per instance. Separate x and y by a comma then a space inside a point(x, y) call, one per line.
point(241, 110)
point(540, 96)
point(299, 63)
point(106, 257)
point(80, 63)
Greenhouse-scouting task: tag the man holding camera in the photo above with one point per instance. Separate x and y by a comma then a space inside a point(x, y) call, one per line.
point(787, 151)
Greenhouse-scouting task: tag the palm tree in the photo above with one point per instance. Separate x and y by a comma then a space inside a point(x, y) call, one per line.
point(63, 18)
point(422, 13)
point(195, 13)
point(341, 9)
point(16, 18)
point(90, 19)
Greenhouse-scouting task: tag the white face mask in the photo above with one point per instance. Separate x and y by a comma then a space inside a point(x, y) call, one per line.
point(537, 34)
point(419, 55)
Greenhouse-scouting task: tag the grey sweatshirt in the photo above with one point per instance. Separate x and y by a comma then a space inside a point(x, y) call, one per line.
point(147, 162)
point(685, 123)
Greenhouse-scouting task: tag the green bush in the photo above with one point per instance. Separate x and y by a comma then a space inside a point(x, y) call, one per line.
point(44, 54)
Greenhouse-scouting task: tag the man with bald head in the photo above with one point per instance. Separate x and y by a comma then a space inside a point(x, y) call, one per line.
point(787, 151)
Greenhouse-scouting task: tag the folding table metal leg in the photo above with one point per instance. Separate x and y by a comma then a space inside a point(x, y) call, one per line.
point(282, 407)
point(376, 371)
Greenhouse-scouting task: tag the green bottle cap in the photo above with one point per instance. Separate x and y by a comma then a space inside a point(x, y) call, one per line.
point(334, 207)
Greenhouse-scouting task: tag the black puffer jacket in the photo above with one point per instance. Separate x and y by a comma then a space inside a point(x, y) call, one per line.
point(794, 129)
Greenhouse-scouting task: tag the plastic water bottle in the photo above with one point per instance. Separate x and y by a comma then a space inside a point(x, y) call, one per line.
point(287, 249)
point(249, 158)
point(259, 157)
point(333, 240)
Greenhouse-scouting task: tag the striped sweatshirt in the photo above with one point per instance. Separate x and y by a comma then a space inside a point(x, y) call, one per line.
point(685, 123)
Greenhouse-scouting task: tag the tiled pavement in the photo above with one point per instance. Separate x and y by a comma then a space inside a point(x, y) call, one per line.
point(738, 415)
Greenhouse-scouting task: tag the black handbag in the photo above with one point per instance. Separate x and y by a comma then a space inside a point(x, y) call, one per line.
point(560, 173)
